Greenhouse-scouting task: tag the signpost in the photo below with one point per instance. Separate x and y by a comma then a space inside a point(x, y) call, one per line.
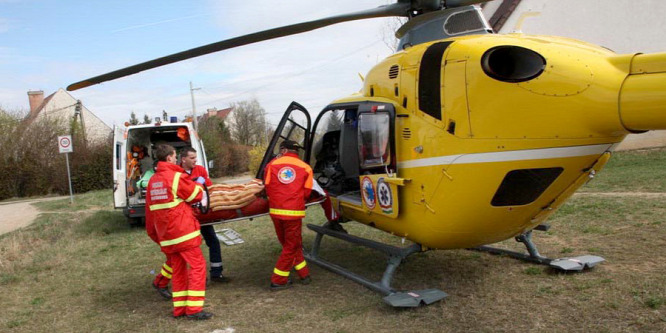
point(65, 146)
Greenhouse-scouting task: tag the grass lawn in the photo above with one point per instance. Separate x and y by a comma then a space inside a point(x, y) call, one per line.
point(81, 268)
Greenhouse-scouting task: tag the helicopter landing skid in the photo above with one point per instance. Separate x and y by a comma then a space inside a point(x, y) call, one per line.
point(570, 264)
point(396, 255)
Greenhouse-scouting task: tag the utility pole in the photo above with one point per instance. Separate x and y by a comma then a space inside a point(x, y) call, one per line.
point(194, 108)
point(79, 109)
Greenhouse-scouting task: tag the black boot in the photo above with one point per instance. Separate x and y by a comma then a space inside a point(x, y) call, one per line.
point(203, 315)
point(164, 292)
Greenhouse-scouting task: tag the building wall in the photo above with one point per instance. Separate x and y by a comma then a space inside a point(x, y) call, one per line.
point(624, 26)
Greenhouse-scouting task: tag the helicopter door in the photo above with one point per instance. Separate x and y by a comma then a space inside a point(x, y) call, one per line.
point(295, 125)
point(378, 182)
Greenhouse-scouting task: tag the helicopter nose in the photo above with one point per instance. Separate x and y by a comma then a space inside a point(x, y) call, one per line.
point(642, 100)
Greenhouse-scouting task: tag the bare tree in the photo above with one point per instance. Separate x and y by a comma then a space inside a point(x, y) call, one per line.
point(388, 30)
point(248, 122)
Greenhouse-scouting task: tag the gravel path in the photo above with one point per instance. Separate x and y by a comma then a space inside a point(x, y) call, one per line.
point(18, 214)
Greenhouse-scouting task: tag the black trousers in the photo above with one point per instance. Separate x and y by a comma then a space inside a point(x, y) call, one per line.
point(214, 253)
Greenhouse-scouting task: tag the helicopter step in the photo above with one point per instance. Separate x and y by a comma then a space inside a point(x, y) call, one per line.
point(396, 255)
point(569, 264)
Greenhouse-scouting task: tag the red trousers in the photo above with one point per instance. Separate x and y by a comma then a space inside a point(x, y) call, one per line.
point(327, 206)
point(188, 282)
point(164, 277)
point(289, 235)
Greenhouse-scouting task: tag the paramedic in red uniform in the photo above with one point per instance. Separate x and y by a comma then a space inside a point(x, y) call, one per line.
point(288, 182)
point(188, 160)
point(169, 196)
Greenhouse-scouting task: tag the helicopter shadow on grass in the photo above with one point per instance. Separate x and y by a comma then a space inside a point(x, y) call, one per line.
point(105, 222)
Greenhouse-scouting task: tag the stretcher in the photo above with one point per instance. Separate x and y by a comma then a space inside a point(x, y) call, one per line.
point(228, 203)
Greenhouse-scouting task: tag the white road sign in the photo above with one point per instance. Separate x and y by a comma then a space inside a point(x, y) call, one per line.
point(65, 144)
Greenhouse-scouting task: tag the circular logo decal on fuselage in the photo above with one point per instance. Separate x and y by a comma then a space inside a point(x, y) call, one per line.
point(368, 192)
point(384, 196)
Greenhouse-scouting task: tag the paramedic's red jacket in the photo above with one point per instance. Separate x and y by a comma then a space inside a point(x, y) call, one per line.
point(200, 171)
point(288, 182)
point(170, 220)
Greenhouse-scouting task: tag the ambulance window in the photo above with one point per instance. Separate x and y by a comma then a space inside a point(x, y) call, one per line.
point(118, 159)
point(373, 139)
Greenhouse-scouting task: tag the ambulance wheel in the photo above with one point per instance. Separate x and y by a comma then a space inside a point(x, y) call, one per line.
point(136, 221)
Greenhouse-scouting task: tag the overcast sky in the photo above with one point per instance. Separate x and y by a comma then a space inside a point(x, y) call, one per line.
point(48, 44)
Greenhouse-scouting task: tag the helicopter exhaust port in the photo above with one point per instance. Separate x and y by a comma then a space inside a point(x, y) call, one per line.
point(510, 63)
point(642, 100)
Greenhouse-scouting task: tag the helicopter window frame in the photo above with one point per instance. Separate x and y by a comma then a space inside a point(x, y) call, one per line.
point(316, 135)
point(379, 139)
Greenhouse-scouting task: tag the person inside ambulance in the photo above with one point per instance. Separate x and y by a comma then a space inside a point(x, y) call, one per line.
point(134, 157)
point(170, 222)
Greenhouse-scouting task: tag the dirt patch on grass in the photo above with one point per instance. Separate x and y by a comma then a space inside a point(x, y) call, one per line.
point(19, 214)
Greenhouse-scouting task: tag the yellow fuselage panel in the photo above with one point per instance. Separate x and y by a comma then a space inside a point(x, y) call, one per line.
point(568, 117)
point(450, 207)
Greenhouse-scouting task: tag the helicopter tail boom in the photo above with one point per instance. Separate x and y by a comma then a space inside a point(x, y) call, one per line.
point(642, 99)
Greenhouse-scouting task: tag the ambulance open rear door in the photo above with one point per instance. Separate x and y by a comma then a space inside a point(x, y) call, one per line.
point(119, 174)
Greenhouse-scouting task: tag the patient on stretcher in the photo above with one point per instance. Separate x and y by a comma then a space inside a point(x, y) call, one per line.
point(230, 201)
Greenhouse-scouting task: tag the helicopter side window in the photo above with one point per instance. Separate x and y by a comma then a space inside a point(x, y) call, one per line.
point(430, 80)
point(373, 139)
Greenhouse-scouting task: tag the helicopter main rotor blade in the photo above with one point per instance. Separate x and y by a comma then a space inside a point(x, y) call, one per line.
point(396, 9)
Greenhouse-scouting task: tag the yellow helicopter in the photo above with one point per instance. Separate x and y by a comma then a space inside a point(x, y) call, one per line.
point(464, 137)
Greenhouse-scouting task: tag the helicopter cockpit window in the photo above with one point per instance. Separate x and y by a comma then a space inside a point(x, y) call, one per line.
point(373, 139)
point(294, 130)
point(326, 135)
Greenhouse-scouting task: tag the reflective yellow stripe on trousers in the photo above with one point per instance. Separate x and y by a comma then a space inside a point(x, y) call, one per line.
point(286, 212)
point(300, 266)
point(280, 273)
point(180, 239)
point(188, 303)
point(196, 293)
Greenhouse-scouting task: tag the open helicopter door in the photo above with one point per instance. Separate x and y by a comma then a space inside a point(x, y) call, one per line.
point(295, 126)
point(353, 156)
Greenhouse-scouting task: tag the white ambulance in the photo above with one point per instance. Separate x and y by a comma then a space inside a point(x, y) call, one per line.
point(133, 156)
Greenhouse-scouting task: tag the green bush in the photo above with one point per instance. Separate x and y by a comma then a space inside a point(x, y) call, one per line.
point(229, 158)
point(32, 164)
